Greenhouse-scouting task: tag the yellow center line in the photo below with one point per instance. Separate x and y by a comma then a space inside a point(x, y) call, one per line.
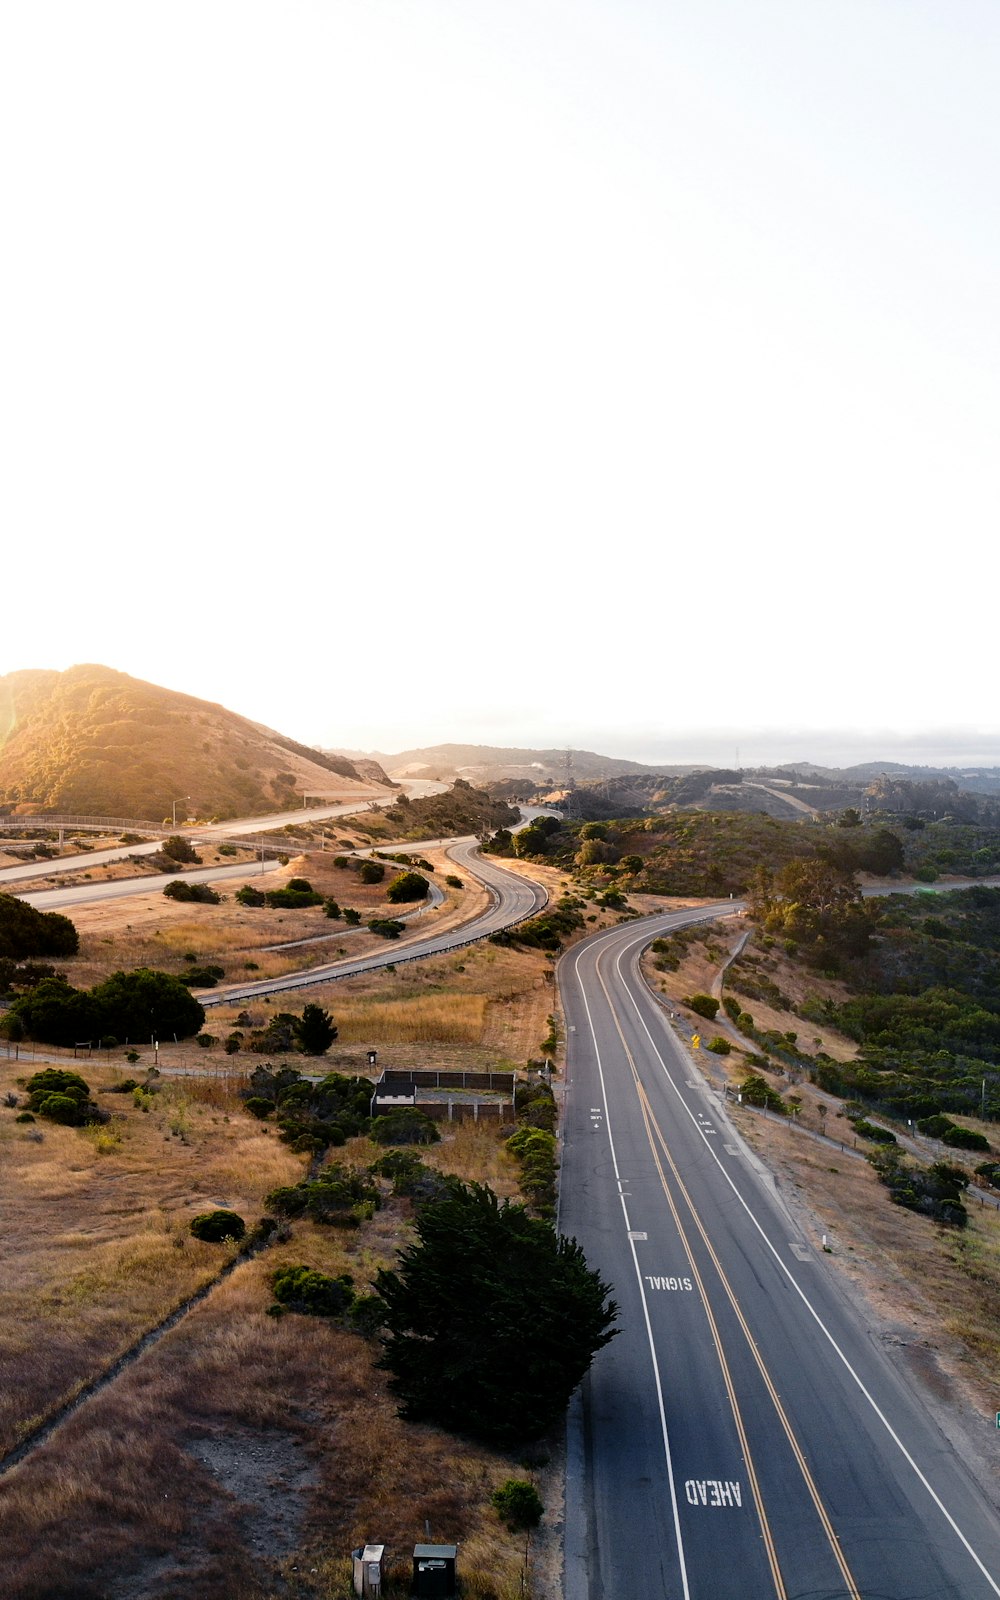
point(651, 1125)
point(765, 1527)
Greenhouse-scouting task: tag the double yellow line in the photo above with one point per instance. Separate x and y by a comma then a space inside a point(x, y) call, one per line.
point(654, 1135)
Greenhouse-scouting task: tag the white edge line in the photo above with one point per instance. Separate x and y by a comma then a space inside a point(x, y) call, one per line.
point(894, 1436)
point(645, 1308)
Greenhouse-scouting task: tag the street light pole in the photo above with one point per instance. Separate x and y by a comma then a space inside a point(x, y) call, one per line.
point(173, 808)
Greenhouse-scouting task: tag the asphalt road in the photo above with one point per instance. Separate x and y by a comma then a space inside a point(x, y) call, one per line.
point(744, 1436)
point(513, 898)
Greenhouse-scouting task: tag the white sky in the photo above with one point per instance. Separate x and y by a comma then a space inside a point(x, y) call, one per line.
point(604, 372)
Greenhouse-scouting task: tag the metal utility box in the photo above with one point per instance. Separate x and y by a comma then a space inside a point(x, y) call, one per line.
point(368, 1564)
point(434, 1571)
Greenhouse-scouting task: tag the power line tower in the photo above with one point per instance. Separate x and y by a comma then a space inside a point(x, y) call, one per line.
point(569, 781)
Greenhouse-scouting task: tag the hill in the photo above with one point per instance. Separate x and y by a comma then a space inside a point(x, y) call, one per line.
point(97, 742)
point(486, 763)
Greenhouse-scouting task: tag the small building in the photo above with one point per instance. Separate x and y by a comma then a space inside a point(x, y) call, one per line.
point(434, 1571)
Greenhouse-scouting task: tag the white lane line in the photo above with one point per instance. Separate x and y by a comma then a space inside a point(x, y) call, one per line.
point(894, 1436)
point(674, 1504)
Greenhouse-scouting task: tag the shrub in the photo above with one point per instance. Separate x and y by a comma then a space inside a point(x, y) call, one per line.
point(202, 893)
point(756, 1091)
point(405, 1126)
point(62, 1096)
point(25, 932)
point(290, 899)
point(179, 849)
point(371, 872)
point(387, 927)
point(517, 1504)
point(206, 1040)
point(215, 1226)
point(872, 1131)
point(453, 881)
point(258, 1106)
point(299, 885)
point(247, 895)
point(719, 1046)
point(407, 886)
point(352, 917)
point(331, 909)
point(202, 977)
point(703, 1004)
point(312, 1293)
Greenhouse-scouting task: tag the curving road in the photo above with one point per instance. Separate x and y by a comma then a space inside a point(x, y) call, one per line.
point(744, 1436)
point(513, 899)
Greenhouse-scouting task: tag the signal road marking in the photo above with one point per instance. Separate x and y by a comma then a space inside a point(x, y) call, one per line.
point(668, 1283)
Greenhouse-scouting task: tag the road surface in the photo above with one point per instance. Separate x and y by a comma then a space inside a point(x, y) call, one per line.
point(744, 1437)
point(513, 899)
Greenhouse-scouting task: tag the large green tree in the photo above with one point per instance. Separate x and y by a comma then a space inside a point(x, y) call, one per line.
point(491, 1319)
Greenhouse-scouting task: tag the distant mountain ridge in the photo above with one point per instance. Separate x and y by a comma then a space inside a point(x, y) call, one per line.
point(491, 763)
point(97, 742)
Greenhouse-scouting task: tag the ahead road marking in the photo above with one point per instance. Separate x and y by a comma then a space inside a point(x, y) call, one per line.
point(712, 1492)
point(807, 1303)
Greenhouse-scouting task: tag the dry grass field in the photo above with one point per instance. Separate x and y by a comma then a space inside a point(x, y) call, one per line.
point(240, 1456)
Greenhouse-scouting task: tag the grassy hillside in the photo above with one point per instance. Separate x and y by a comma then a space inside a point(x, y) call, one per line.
point(487, 763)
point(95, 741)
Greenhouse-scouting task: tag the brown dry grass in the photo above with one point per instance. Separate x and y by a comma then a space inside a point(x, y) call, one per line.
point(122, 1499)
point(95, 1246)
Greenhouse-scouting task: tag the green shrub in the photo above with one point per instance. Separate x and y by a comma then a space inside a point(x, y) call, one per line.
point(407, 886)
point(756, 1091)
point(352, 917)
point(703, 1004)
point(202, 893)
point(371, 872)
point(452, 881)
point(215, 1226)
point(387, 927)
point(312, 1293)
point(258, 1106)
point(247, 895)
point(719, 1046)
point(24, 1116)
point(872, 1131)
point(518, 1504)
point(405, 1126)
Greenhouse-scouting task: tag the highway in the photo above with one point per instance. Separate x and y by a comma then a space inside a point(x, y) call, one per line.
point(745, 1436)
point(512, 899)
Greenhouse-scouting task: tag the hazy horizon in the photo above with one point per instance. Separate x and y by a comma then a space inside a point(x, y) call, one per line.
point(388, 372)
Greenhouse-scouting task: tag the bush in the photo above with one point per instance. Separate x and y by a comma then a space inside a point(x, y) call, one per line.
point(405, 1126)
point(872, 1131)
point(202, 893)
point(290, 899)
point(258, 1106)
point(756, 1091)
point(202, 977)
point(453, 881)
point(179, 849)
point(352, 917)
point(518, 1504)
point(247, 895)
point(387, 927)
point(215, 1226)
point(371, 872)
point(312, 1293)
point(61, 1096)
point(703, 1004)
point(331, 909)
point(719, 1046)
point(407, 886)
point(25, 932)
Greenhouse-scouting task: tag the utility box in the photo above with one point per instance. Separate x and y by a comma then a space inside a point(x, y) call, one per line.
point(434, 1571)
point(368, 1563)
